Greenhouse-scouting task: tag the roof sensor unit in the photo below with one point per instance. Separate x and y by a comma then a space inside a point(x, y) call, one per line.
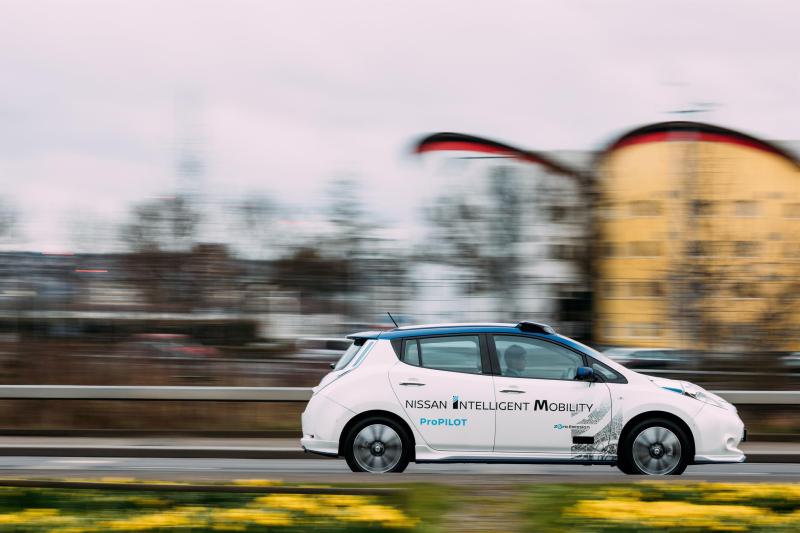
point(536, 327)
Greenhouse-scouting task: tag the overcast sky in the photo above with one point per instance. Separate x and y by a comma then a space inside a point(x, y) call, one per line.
point(287, 95)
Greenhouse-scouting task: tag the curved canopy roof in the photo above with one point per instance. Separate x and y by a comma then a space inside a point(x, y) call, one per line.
point(694, 131)
point(470, 143)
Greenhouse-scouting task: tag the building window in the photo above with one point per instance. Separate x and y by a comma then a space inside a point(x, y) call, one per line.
point(645, 289)
point(744, 290)
point(791, 210)
point(697, 248)
point(745, 208)
point(701, 208)
point(645, 248)
point(610, 249)
point(745, 248)
point(645, 208)
point(558, 213)
point(609, 289)
point(791, 250)
point(607, 210)
point(564, 252)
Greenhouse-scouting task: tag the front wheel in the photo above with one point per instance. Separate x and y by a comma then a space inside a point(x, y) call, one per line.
point(377, 445)
point(656, 447)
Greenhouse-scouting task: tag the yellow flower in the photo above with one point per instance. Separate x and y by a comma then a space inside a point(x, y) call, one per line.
point(34, 517)
point(256, 482)
point(179, 517)
point(349, 508)
point(291, 502)
point(678, 514)
point(112, 479)
point(239, 517)
point(379, 514)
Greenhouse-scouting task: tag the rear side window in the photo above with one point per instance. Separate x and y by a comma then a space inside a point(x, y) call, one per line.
point(347, 356)
point(412, 353)
point(461, 353)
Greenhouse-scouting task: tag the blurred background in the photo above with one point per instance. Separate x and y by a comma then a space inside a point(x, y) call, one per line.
point(205, 194)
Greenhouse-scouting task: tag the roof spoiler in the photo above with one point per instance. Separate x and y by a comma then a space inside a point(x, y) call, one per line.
point(364, 335)
point(536, 327)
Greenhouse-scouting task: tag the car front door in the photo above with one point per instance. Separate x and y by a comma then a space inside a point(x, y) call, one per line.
point(445, 387)
point(541, 407)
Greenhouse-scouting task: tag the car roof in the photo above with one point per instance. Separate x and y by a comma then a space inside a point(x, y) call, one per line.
point(425, 330)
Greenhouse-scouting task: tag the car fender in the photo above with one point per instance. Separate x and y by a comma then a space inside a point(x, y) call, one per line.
point(630, 402)
point(377, 395)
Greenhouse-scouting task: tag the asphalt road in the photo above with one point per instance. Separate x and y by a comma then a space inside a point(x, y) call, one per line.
point(336, 471)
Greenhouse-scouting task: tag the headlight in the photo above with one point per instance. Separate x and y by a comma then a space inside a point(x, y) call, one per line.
point(699, 393)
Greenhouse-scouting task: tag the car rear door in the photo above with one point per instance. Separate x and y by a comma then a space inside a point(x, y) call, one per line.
point(444, 385)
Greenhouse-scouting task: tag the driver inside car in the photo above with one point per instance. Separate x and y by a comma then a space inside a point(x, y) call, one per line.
point(515, 361)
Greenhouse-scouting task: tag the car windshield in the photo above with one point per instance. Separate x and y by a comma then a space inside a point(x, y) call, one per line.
point(347, 356)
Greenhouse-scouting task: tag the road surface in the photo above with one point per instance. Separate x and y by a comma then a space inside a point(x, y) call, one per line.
point(336, 471)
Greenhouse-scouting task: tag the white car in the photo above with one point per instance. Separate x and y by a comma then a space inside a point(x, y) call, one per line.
point(504, 393)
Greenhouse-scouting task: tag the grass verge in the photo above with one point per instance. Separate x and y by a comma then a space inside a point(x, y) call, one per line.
point(425, 508)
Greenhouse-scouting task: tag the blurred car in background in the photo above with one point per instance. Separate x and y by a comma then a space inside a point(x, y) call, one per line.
point(648, 357)
point(170, 346)
point(791, 360)
point(321, 348)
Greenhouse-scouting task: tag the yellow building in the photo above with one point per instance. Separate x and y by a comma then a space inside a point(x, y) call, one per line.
point(698, 240)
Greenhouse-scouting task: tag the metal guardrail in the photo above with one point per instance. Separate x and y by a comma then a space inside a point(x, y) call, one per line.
point(741, 397)
point(269, 394)
point(101, 392)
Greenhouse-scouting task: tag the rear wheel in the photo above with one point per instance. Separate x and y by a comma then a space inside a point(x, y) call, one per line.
point(655, 447)
point(377, 445)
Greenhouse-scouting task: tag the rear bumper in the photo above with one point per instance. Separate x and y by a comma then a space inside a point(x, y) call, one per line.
point(320, 447)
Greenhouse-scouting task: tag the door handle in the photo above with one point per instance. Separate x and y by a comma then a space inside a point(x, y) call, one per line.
point(415, 383)
point(514, 391)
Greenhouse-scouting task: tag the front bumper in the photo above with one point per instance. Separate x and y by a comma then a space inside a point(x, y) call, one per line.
point(718, 459)
point(720, 433)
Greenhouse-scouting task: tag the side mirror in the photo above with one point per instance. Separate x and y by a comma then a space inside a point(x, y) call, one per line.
point(584, 373)
point(333, 365)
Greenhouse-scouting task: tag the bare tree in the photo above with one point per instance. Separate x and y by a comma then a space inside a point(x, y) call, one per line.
point(160, 236)
point(165, 224)
point(481, 233)
point(9, 219)
point(254, 216)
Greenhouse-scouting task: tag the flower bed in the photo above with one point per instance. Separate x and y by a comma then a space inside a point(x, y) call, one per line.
point(85, 511)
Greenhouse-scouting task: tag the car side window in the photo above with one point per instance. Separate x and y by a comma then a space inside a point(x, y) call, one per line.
point(461, 353)
point(606, 374)
point(411, 355)
point(525, 357)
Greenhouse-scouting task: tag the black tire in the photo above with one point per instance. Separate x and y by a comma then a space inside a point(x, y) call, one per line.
point(656, 446)
point(377, 445)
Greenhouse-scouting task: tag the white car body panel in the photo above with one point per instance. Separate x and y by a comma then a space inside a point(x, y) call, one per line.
point(414, 385)
point(373, 385)
point(587, 412)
